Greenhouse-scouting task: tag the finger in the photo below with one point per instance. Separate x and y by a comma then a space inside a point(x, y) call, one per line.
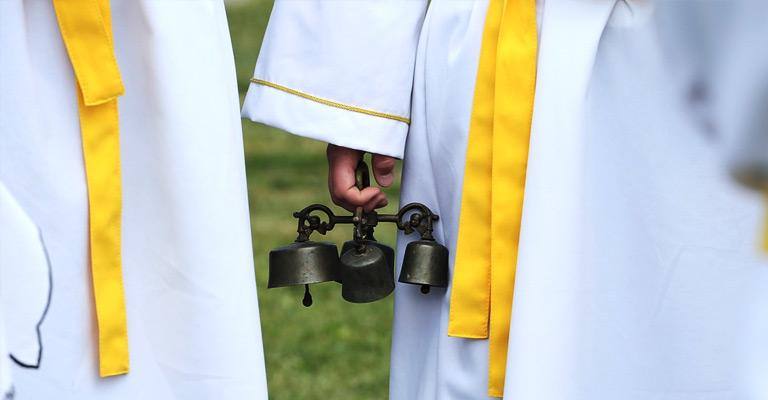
point(359, 198)
point(345, 193)
point(383, 169)
point(342, 162)
point(354, 198)
point(348, 195)
point(378, 201)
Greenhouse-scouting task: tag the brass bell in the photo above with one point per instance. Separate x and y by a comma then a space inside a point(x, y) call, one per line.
point(302, 263)
point(389, 253)
point(366, 274)
point(425, 263)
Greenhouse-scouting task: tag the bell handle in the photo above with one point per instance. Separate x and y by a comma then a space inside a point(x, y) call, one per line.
point(362, 175)
point(363, 227)
point(359, 229)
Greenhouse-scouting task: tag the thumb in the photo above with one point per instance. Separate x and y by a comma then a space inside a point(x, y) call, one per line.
point(383, 169)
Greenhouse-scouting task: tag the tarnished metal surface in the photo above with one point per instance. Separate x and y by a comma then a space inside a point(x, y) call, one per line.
point(366, 267)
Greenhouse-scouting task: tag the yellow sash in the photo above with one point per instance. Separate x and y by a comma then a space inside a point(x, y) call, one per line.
point(86, 29)
point(765, 232)
point(494, 182)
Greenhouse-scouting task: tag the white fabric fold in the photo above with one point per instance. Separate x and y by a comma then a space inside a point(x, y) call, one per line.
point(24, 281)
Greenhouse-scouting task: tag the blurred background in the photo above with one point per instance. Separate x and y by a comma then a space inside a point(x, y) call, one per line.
point(334, 349)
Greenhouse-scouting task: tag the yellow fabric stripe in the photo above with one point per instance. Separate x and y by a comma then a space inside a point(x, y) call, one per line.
point(765, 232)
point(86, 28)
point(487, 250)
point(330, 103)
point(87, 33)
point(470, 292)
point(515, 86)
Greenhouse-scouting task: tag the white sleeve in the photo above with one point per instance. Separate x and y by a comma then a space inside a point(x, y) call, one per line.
point(339, 71)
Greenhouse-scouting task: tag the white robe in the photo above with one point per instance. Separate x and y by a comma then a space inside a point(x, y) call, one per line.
point(637, 275)
point(25, 290)
point(741, 103)
point(193, 319)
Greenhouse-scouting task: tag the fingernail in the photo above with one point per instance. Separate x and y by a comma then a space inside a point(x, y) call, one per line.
point(387, 179)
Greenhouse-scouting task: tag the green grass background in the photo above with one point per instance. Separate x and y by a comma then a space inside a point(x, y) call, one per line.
point(334, 349)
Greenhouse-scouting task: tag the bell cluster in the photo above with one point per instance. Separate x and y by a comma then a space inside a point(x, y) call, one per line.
point(364, 267)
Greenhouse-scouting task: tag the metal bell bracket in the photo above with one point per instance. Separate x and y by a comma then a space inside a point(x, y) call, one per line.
point(413, 217)
point(420, 217)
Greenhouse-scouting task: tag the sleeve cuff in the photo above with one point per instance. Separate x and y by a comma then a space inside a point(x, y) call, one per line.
point(313, 117)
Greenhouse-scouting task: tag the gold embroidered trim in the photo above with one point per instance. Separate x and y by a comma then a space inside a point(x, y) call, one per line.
point(330, 103)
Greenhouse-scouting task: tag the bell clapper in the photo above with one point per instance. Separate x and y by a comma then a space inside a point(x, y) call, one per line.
point(425, 289)
point(307, 301)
